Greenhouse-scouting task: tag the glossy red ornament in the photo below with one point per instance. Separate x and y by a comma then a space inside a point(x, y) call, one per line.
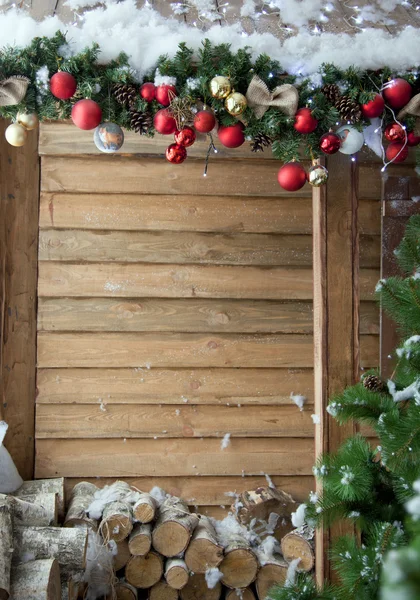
point(396, 152)
point(292, 176)
point(63, 85)
point(148, 91)
point(204, 121)
point(164, 122)
point(164, 93)
point(330, 143)
point(304, 121)
point(394, 133)
point(185, 137)
point(231, 136)
point(176, 154)
point(413, 139)
point(397, 93)
point(374, 108)
point(86, 114)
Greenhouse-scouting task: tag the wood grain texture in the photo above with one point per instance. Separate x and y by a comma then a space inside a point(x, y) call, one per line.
point(19, 193)
point(107, 420)
point(172, 386)
point(182, 457)
point(371, 178)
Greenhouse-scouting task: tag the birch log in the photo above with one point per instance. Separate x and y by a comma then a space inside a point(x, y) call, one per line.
point(300, 544)
point(176, 573)
point(162, 591)
point(260, 503)
point(45, 486)
point(123, 591)
point(196, 589)
point(273, 571)
point(144, 571)
point(117, 521)
point(6, 545)
point(240, 564)
point(246, 594)
point(203, 551)
point(174, 527)
point(121, 554)
point(36, 580)
point(80, 499)
point(140, 540)
point(145, 508)
point(39, 514)
point(68, 546)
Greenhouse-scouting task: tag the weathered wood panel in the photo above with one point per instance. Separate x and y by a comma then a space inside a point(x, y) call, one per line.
point(19, 193)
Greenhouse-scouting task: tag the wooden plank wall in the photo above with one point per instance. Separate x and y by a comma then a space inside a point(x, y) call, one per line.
point(172, 310)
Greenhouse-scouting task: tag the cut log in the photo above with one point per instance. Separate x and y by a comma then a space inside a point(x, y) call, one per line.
point(203, 551)
point(45, 486)
point(246, 594)
point(117, 521)
point(176, 573)
point(27, 513)
point(68, 546)
point(174, 527)
point(145, 508)
point(36, 580)
point(121, 554)
point(300, 544)
point(272, 572)
point(162, 591)
point(6, 545)
point(196, 589)
point(81, 497)
point(240, 564)
point(144, 571)
point(140, 540)
point(123, 591)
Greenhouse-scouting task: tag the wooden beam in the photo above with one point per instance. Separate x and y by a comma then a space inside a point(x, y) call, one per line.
point(19, 194)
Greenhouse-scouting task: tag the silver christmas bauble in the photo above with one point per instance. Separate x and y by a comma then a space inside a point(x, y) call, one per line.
point(317, 175)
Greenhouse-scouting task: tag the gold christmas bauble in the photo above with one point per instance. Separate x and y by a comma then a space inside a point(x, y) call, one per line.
point(220, 87)
point(28, 120)
point(235, 104)
point(317, 175)
point(16, 134)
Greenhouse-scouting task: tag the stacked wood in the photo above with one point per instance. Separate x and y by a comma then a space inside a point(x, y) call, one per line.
point(144, 571)
point(123, 591)
point(121, 554)
point(81, 497)
point(140, 540)
point(240, 563)
point(176, 573)
point(44, 486)
point(117, 521)
point(246, 594)
point(145, 508)
point(162, 591)
point(36, 580)
point(273, 571)
point(37, 510)
point(203, 552)
point(197, 589)
point(6, 546)
point(300, 544)
point(174, 527)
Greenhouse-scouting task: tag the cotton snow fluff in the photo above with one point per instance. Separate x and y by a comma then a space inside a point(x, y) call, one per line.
point(213, 576)
point(347, 476)
point(298, 399)
point(333, 408)
point(315, 419)
point(225, 441)
point(413, 505)
point(10, 480)
point(298, 517)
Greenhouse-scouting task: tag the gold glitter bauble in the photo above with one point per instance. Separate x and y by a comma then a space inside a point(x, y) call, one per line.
point(220, 87)
point(317, 175)
point(235, 104)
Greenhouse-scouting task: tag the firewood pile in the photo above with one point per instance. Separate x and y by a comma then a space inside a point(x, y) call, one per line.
point(118, 543)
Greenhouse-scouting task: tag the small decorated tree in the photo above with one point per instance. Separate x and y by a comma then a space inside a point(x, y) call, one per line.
point(377, 487)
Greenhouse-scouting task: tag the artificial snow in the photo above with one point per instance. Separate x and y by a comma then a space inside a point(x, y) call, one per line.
point(267, 550)
point(413, 505)
point(118, 491)
point(225, 441)
point(298, 517)
point(291, 572)
point(158, 494)
point(412, 391)
point(315, 419)
point(313, 497)
point(229, 528)
point(270, 481)
point(10, 480)
point(99, 573)
point(213, 576)
point(298, 399)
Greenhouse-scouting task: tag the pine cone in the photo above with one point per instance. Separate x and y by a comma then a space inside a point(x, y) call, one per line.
point(141, 122)
point(331, 92)
point(260, 142)
point(349, 109)
point(374, 383)
point(125, 93)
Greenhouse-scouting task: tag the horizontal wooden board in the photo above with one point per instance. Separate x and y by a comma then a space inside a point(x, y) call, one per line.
point(369, 317)
point(173, 386)
point(207, 491)
point(107, 420)
point(157, 176)
point(226, 214)
point(173, 350)
point(174, 281)
point(179, 457)
point(371, 177)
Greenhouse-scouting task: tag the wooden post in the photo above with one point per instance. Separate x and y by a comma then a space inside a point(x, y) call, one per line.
point(336, 312)
point(19, 193)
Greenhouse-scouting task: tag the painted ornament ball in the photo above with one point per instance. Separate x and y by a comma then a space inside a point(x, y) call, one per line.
point(352, 140)
point(86, 114)
point(108, 137)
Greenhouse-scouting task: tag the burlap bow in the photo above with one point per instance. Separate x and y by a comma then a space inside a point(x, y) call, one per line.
point(13, 90)
point(284, 97)
point(413, 109)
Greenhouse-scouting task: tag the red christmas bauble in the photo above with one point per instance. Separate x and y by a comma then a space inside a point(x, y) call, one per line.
point(397, 93)
point(394, 133)
point(204, 121)
point(185, 137)
point(413, 139)
point(148, 91)
point(163, 95)
point(330, 143)
point(164, 122)
point(86, 114)
point(396, 152)
point(374, 108)
point(231, 136)
point(292, 176)
point(63, 85)
point(304, 121)
point(176, 154)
